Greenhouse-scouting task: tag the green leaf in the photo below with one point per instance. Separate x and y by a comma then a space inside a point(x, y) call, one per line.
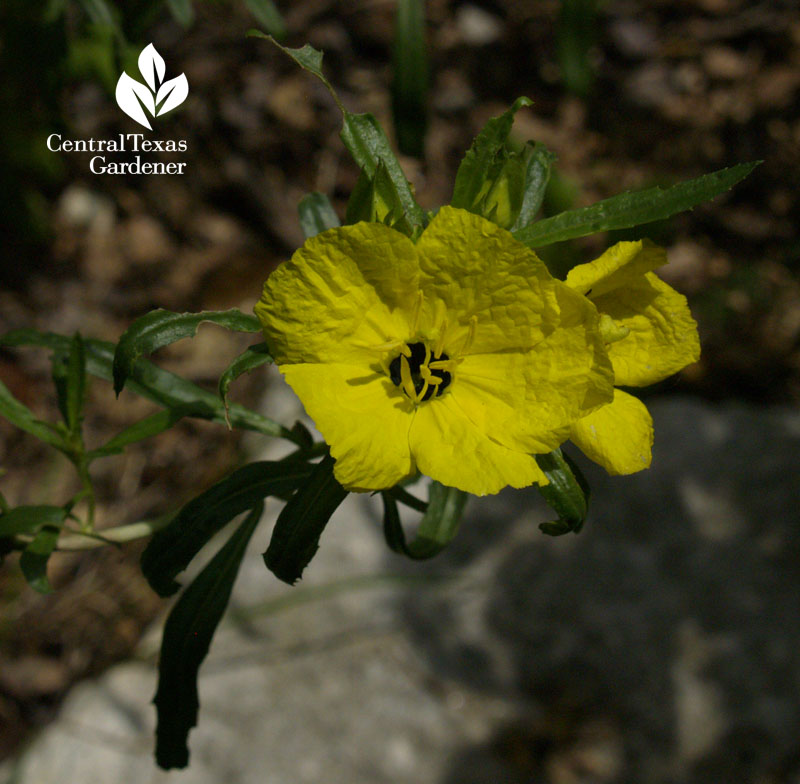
point(35, 556)
point(267, 15)
point(75, 392)
point(410, 83)
point(576, 33)
point(153, 383)
point(99, 12)
point(29, 519)
point(484, 159)
point(173, 547)
point(567, 494)
point(375, 199)
point(187, 637)
point(139, 431)
point(437, 529)
point(161, 327)
point(253, 357)
point(301, 522)
point(22, 417)
point(182, 11)
point(316, 214)
point(538, 161)
point(361, 134)
point(632, 208)
point(367, 143)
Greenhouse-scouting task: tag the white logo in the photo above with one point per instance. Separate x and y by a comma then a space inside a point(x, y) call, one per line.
point(157, 96)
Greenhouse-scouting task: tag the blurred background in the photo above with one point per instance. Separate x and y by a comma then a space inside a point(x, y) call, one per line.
point(659, 645)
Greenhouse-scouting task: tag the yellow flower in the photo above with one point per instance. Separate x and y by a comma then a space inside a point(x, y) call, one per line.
point(650, 335)
point(458, 356)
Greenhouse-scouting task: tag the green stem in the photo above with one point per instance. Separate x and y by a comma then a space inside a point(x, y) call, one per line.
point(89, 540)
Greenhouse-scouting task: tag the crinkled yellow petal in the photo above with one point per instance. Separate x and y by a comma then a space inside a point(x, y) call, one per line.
point(448, 447)
point(663, 335)
point(620, 264)
point(521, 398)
point(363, 416)
point(342, 291)
point(471, 268)
point(618, 436)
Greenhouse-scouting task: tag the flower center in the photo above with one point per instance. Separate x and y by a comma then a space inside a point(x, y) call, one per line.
point(419, 373)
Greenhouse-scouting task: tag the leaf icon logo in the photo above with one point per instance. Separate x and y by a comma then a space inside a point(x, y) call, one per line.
point(156, 96)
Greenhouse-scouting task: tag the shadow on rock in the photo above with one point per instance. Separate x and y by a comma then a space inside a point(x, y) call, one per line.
point(661, 644)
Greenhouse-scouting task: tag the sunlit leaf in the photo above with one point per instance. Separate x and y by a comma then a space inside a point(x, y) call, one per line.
point(633, 208)
point(160, 328)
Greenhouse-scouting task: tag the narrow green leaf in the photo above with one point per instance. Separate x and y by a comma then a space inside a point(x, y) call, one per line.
point(182, 11)
point(155, 384)
point(99, 12)
point(173, 547)
point(253, 357)
point(301, 522)
point(632, 208)
point(576, 33)
point(361, 134)
point(410, 83)
point(316, 214)
point(437, 529)
point(187, 637)
point(76, 384)
point(29, 519)
point(538, 161)
point(267, 15)
point(22, 417)
point(35, 556)
point(567, 494)
point(139, 431)
point(375, 199)
point(367, 143)
point(161, 327)
point(483, 159)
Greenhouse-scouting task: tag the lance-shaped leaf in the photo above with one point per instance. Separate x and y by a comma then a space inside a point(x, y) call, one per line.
point(161, 327)
point(410, 82)
point(187, 637)
point(268, 16)
point(69, 377)
point(484, 158)
point(316, 214)
point(34, 558)
point(139, 431)
point(155, 384)
point(131, 96)
point(362, 135)
point(567, 494)
point(633, 208)
point(22, 417)
point(173, 93)
point(437, 529)
point(300, 524)
point(537, 160)
point(253, 357)
point(375, 199)
point(30, 519)
point(173, 547)
point(152, 66)
point(182, 11)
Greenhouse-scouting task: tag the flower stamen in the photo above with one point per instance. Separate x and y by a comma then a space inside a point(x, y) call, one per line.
point(421, 374)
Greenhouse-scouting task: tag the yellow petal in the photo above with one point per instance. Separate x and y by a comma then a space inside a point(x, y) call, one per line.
point(472, 269)
point(344, 290)
point(521, 399)
point(620, 264)
point(363, 416)
point(618, 436)
point(448, 447)
point(663, 335)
